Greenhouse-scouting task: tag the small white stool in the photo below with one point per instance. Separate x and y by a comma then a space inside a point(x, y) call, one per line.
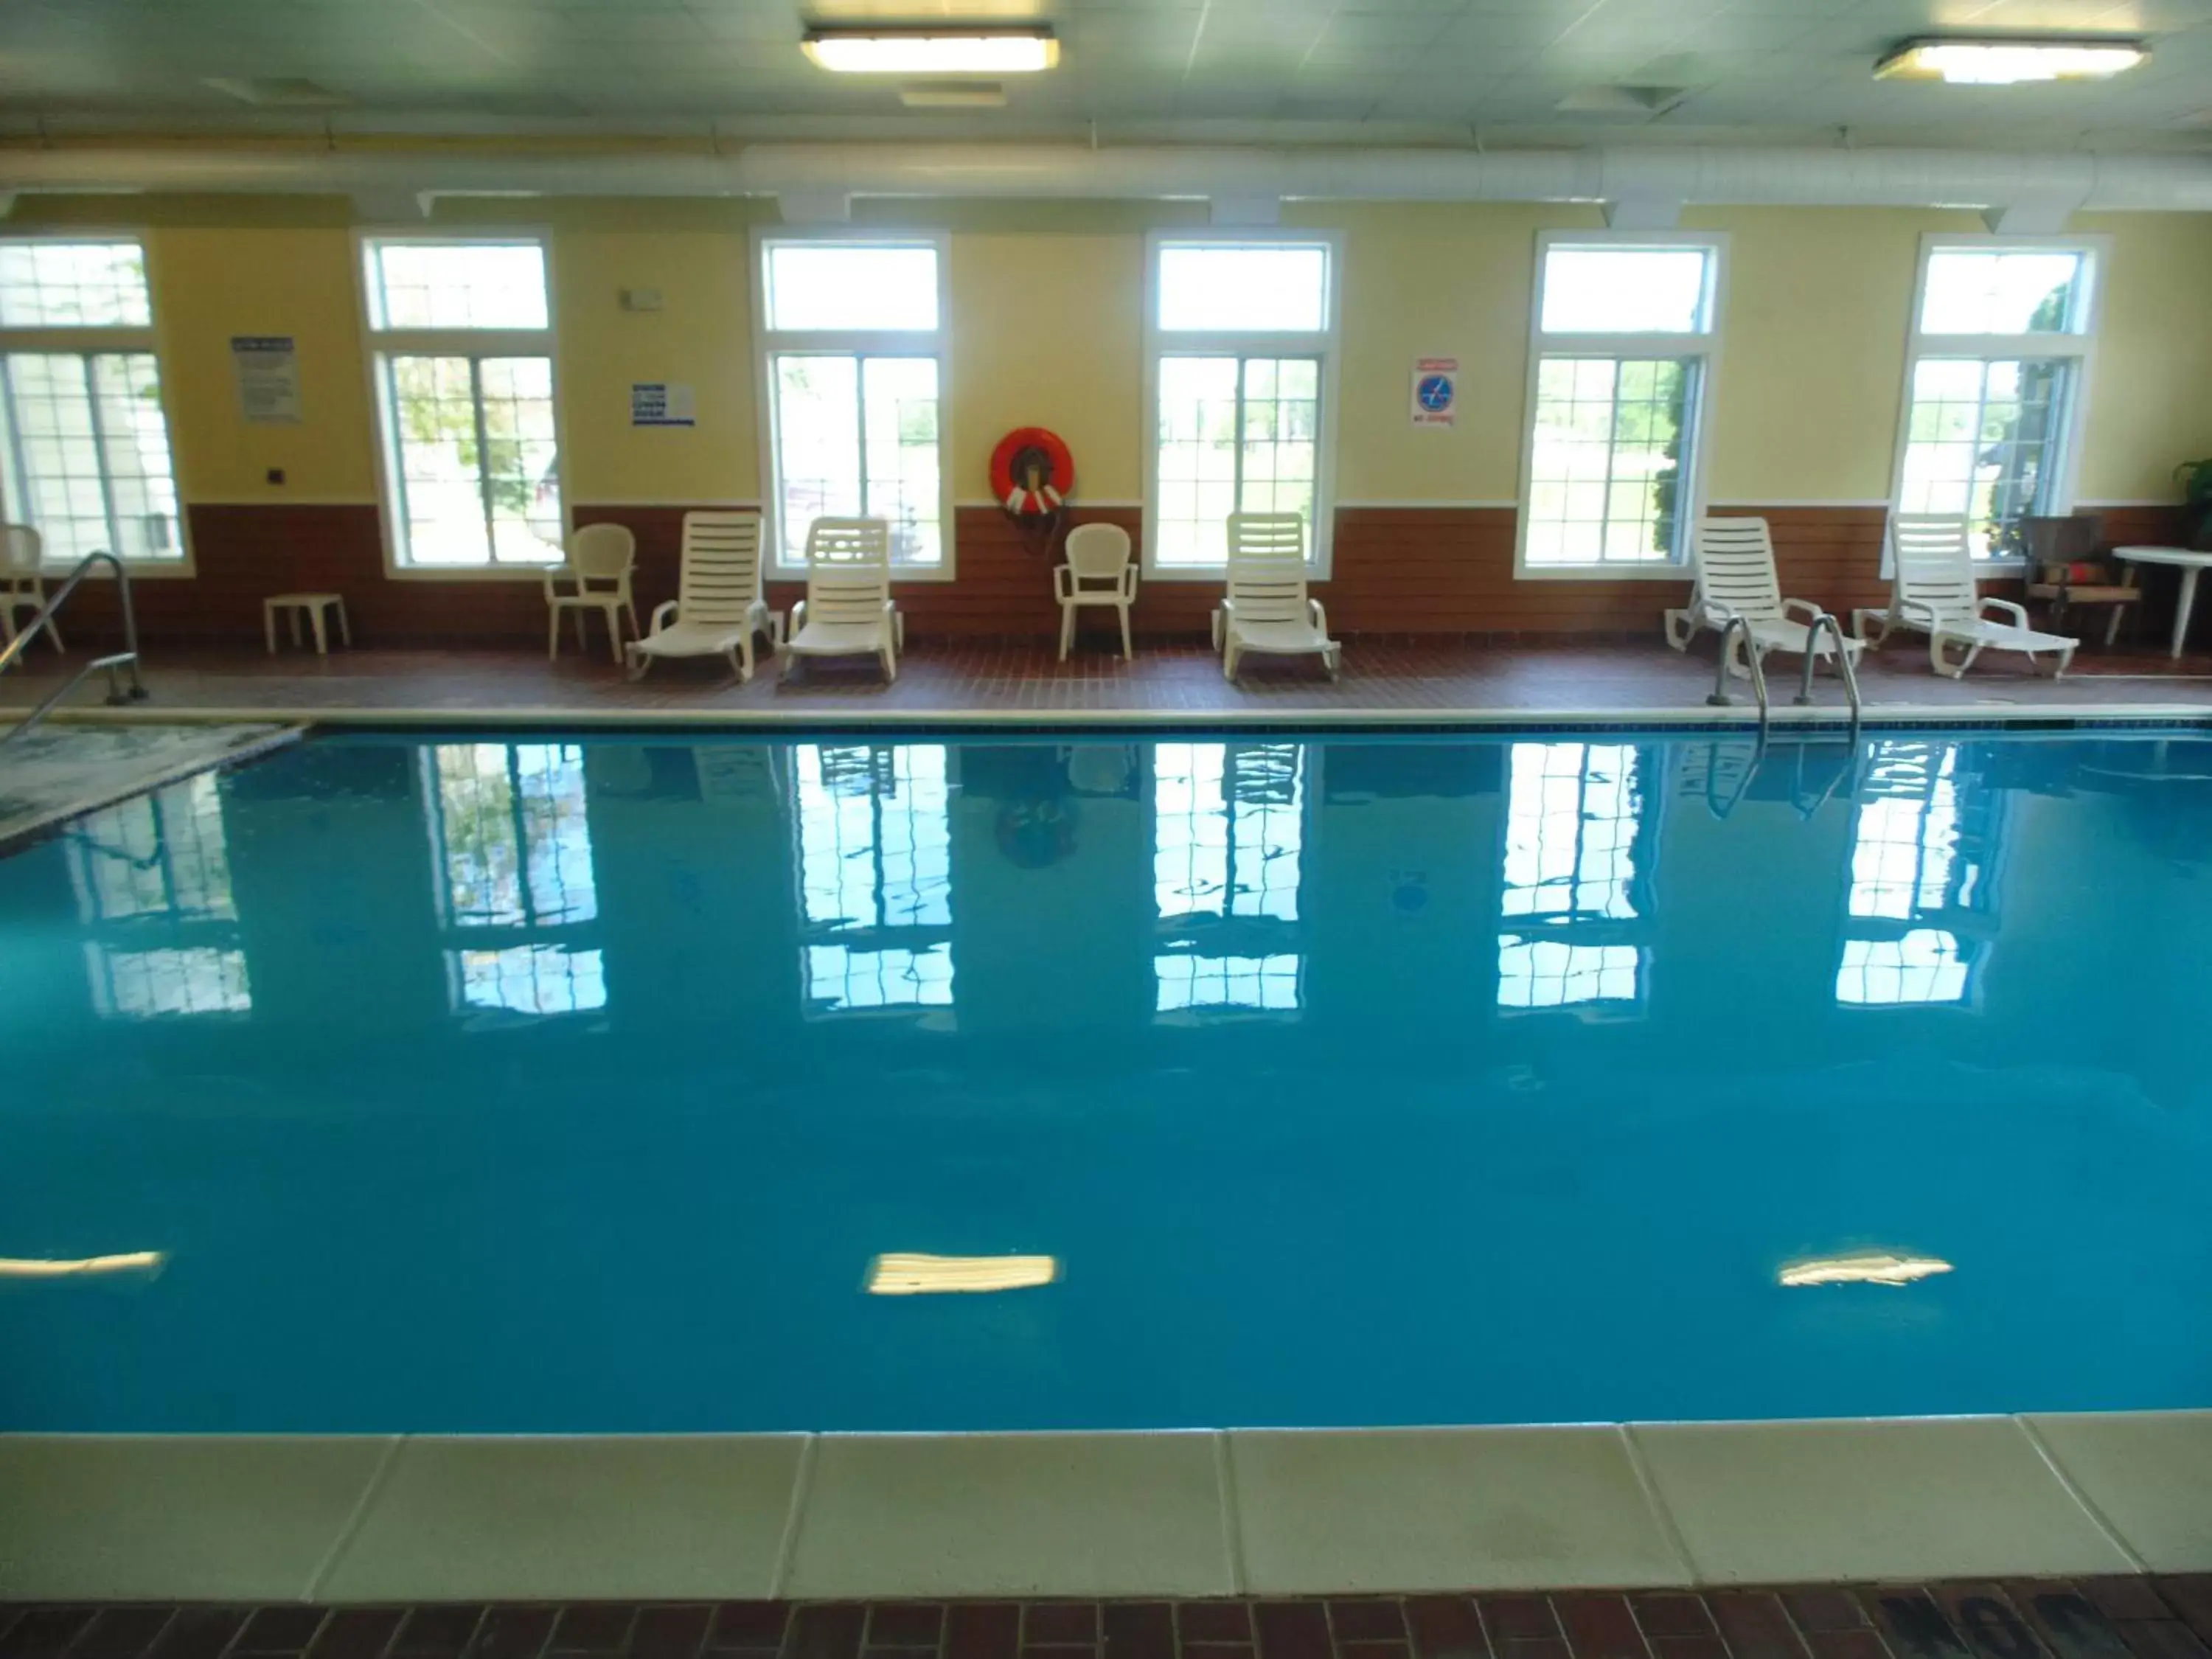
point(312, 607)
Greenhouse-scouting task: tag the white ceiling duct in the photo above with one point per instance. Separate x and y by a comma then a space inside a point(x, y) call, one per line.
point(1731, 176)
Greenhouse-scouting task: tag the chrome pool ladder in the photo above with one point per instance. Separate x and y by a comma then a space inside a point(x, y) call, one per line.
point(1738, 623)
point(1827, 619)
point(115, 662)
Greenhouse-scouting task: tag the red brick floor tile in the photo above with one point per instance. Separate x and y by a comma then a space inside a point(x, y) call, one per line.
point(520, 1633)
point(1292, 1630)
point(359, 1634)
point(757, 1627)
point(1214, 1621)
point(983, 1629)
point(906, 1625)
point(1367, 1619)
point(671, 1631)
point(2131, 1597)
point(1911, 1623)
point(44, 1632)
point(438, 1632)
point(1446, 1627)
point(2069, 1623)
point(1217, 1651)
point(829, 1630)
point(1755, 1624)
point(199, 1633)
point(1516, 1617)
point(279, 1630)
point(1864, 1643)
point(2161, 1638)
point(1139, 1630)
point(1691, 1647)
point(2190, 1595)
point(1663, 1612)
point(1818, 1608)
point(1600, 1627)
point(1054, 1624)
point(1532, 1647)
point(122, 1632)
point(1987, 1621)
point(1373, 1651)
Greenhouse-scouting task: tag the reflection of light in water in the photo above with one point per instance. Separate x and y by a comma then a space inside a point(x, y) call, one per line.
point(875, 875)
point(149, 1263)
point(1868, 1267)
point(1573, 813)
point(1229, 835)
point(903, 1274)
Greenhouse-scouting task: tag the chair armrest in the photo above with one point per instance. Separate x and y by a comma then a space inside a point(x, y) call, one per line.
point(1811, 609)
point(1061, 576)
point(1319, 616)
point(663, 614)
point(798, 615)
point(554, 577)
point(2017, 612)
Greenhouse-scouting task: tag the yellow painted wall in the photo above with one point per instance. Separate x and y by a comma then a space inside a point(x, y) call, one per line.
point(1047, 329)
point(210, 284)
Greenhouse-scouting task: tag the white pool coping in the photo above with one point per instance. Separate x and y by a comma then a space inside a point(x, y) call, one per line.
point(1783, 716)
point(834, 1516)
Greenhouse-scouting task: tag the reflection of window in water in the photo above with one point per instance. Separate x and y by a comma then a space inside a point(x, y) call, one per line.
point(153, 889)
point(875, 876)
point(513, 848)
point(1922, 891)
point(1228, 837)
point(1576, 899)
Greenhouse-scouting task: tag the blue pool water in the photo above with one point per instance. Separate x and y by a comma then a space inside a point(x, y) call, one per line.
point(574, 1086)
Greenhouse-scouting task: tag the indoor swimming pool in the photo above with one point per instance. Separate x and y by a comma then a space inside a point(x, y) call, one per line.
point(657, 1083)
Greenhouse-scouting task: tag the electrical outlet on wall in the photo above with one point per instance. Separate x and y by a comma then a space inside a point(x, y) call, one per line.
point(276, 475)
point(640, 299)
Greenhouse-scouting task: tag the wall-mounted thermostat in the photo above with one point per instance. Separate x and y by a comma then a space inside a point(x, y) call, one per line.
point(640, 299)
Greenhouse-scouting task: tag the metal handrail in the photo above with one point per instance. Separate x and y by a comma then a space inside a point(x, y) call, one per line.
point(126, 657)
point(1827, 619)
point(1738, 622)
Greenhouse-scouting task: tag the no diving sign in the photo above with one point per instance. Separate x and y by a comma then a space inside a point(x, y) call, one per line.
point(1435, 391)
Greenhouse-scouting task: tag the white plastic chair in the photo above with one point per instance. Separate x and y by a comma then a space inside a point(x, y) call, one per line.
point(1266, 607)
point(1095, 553)
point(718, 607)
point(848, 611)
point(1932, 591)
point(22, 578)
point(601, 558)
point(1737, 578)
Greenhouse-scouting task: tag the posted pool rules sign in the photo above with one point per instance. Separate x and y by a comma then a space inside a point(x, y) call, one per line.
point(1435, 391)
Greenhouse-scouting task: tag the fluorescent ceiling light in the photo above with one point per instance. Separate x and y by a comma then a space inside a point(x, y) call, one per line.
point(946, 1275)
point(1869, 1267)
point(149, 1263)
point(882, 49)
point(1999, 62)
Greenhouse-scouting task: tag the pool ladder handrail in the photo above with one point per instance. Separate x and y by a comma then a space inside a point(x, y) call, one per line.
point(1850, 675)
point(1738, 622)
point(117, 693)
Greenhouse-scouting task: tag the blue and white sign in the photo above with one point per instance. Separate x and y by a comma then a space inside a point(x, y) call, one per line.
point(1435, 391)
point(662, 403)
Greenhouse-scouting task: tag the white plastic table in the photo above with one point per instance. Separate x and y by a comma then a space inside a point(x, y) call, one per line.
point(2189, 563)
point(312, 607)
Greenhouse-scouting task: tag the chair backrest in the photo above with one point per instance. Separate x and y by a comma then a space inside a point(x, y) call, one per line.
point(22, 551)
point(1267, 566)
point(720, 577)
point(849, 569)
point(602, 552)
point(1098, 552)
point(1934, 562)
point(1735, 568)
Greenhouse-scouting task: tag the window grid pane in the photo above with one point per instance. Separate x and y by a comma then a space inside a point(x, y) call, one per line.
point(1236, 434)
point(875, 876)
point(1277, 289)
point(73, 285)
point(1573, 877)
point(1922, 850)
point(859, 436)
point(1606, 458)
point(421, 285)
point(1982, 439)
point(1973, 291)
point(87, 460)
point(478, 464)
point(1228, 850)
point(828, 287)
point(1626, 291)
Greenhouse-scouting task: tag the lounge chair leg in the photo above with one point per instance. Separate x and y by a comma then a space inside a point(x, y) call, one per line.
point(638, 662)
point(2065, 662)
point(1067, 629)
point(614, 635)
point(742, 660)
point(890, 664)
point(2112, 627)
point(552, 640)
point(1228, 662)
point(1217, 628)
point(1128, 650)
point(1677, 627)
point(1333, 659)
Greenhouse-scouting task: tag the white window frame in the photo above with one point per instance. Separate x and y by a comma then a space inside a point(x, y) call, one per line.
point(770, 343)
point(2079, 345)
point(1690, 496)
point(455, 342)
point(1244, 342)
point(98, 341)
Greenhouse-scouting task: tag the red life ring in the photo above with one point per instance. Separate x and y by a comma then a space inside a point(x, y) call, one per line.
point(1032, 472)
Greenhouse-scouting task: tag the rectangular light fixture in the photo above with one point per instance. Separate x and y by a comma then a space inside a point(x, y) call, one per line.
point(1869, 1267)
point(933, 49)
point(149, 1263)
point(911, 1274)
point(2003, 61)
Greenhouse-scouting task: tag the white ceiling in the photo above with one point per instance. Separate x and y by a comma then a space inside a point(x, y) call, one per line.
point(1383, 71)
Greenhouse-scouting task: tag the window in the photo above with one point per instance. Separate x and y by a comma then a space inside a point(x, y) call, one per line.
point(875, 877)
point(1576, 898)
point(1620, 372)
point(1229, 834)
point(516, 897)
point(153, 889)
point(2001, 340)
point(854, 351)
point(84, 446)
point(1921, 904)
point(1241, 344)
point(461, 345)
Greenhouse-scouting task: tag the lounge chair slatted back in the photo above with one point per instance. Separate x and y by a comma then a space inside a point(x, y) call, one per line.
point(1735, 568)
point(720, 578)
point(849, 570)
point(1267, 566)
point(1934, 566)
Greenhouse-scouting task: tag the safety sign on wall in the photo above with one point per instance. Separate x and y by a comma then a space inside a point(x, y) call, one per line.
point(268, 368)
point(661, 403)
point(1435, 391)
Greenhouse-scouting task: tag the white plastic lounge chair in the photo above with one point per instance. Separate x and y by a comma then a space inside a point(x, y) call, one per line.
point(718, 608)
point(1266, 607)
point(22, 579)
point(848, 611)
point(1736, 577)
point(1933, 591)
point(601, 557)
point(1095, 553)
